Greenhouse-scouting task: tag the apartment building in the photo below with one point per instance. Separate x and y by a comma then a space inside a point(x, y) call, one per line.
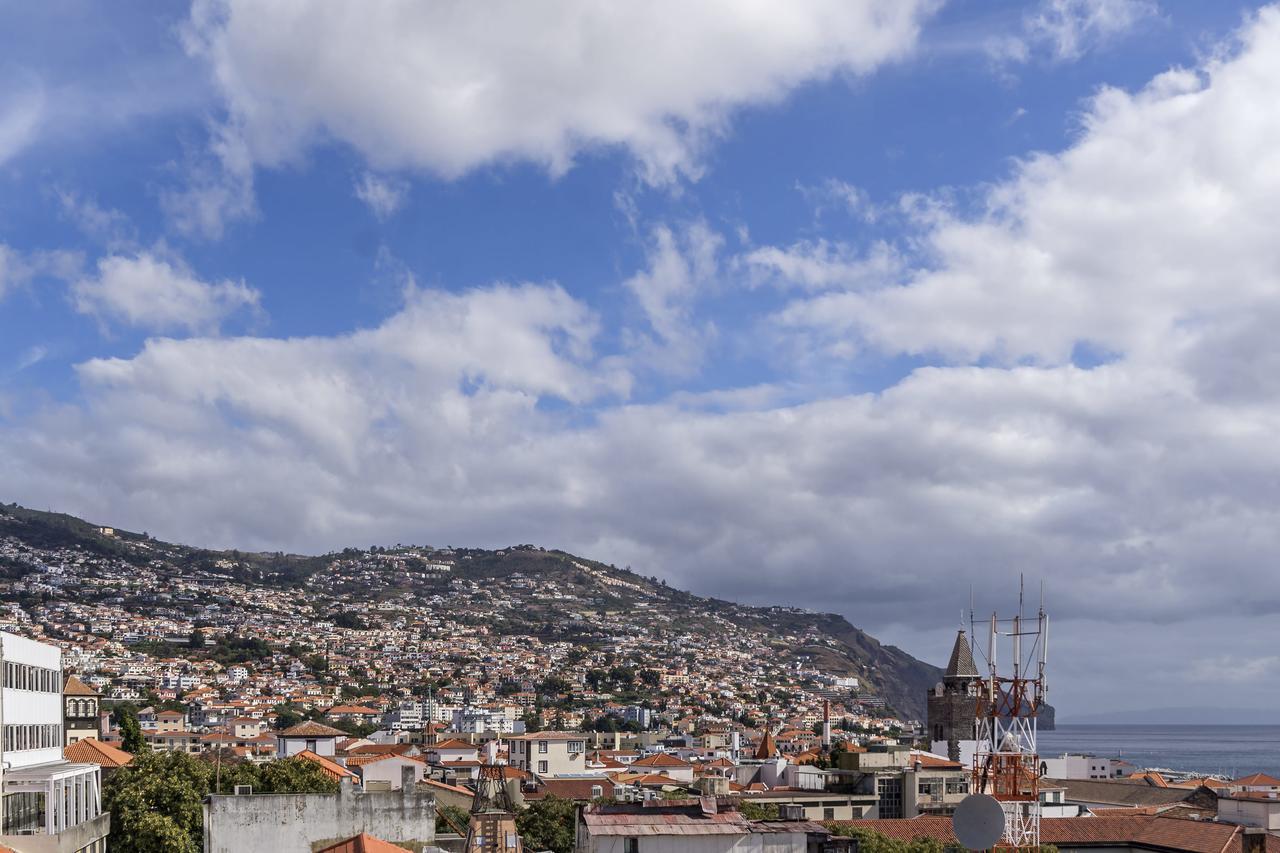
point(549, 754)
point(42, 793)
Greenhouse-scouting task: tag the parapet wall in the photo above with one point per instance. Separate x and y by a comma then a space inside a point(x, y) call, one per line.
point(301, 823)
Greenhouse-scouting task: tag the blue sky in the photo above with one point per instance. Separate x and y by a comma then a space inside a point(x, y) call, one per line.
point(849, 305)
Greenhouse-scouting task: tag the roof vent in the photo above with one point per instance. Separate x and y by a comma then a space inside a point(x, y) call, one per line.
point(243, 790)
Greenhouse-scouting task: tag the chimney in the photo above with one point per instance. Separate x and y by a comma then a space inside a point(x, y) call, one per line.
point(408, 782)
point(617, 741)
point(826, 725)
point(1254, 840)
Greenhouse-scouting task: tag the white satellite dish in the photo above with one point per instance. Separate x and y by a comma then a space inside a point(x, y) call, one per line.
point(978, 822)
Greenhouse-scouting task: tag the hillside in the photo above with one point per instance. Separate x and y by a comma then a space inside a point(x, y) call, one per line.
point(548, 594)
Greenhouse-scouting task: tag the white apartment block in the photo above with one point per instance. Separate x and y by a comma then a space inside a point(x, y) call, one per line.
point(43, 794)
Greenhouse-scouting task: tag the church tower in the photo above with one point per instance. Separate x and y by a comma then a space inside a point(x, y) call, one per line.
point(953, 702)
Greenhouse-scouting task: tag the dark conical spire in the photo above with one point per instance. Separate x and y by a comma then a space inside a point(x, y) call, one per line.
point(961, 664)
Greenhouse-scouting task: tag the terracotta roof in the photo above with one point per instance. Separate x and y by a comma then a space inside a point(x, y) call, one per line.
point(381, 749)
point(454, 743)
point(660, 759)
point(93, 751)
point(457, 789)
point(331, 768)
point(362, 843)
point(76, 687)
point(361, 760)
point(310, 728)
point(1257, 779)
point(1142, 831)
point(767, 748)
point(352, 709)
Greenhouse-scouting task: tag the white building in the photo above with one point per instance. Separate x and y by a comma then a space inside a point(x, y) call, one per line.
point(43, 794)
point(549, 754)
point(1069, 766)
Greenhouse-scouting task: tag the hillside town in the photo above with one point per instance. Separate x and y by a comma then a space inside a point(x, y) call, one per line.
point(420, 694)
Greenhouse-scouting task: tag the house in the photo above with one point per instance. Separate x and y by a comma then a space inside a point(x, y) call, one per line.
point(354, 713)
point(549, 753)
point(79, 710)
point(1251, 808)
point(665, 764)
point(452, 750)
point(170, 721)
point(308, 736)
point(385, 771)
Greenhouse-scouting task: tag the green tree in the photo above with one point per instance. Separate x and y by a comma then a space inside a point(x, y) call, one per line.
point(453, 819)
point(547, 824)
point(131, 737)
point(156, 800)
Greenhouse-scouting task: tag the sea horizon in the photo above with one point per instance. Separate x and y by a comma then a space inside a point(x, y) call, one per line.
point(1223, 749)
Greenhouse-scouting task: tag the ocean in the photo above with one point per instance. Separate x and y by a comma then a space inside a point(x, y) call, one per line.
point(1231, 751)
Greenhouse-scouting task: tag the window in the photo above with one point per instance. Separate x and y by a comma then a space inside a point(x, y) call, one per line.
point(23, 676)
point(597, 791)
point(542, 767)
point(828, 814)
point(957, 786)
point(631, 845)
point(542, 747)
point(576, 746)
point(311, 745)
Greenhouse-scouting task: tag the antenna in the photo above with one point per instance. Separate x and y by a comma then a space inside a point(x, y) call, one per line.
point(1006, 767)
point(978, 822)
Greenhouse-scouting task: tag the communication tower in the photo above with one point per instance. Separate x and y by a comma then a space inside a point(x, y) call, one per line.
point(1006, 763)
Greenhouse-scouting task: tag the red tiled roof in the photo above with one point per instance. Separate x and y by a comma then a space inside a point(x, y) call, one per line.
point(362, 843)
point(93, 751)
point(1256, 779)
point(331, 768)
point(660, 759)
point(310, 728)
point(76, 687)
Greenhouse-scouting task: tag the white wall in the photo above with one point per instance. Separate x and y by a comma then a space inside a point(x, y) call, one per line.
point(28, 706)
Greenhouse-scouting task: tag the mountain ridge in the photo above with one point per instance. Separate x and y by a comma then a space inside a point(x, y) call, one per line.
point(827, 641)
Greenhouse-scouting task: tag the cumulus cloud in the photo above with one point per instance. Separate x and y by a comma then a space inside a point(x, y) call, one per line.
point(447, 89)
point(148, 291)
point(682, 266)
point(1145, 489)
point(384, 196)
point(1144, 238)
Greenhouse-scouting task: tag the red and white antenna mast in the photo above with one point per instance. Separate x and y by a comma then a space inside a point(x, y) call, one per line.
point(1006, 762)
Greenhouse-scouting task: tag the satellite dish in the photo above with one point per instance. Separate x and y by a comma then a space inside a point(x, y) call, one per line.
point(978, 822)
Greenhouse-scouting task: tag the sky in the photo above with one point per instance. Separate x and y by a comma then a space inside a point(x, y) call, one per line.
point(866, 306)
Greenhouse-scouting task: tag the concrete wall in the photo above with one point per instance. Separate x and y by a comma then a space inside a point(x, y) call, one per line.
point(301, 823)
point(76, 838)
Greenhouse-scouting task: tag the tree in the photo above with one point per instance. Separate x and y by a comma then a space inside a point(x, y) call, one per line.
point(156, 800)
point(547, 824)
point(453, 818)
point(131, 737)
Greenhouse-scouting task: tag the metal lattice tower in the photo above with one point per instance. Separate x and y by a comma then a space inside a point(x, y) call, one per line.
point(493, 815)
point(1006, 763)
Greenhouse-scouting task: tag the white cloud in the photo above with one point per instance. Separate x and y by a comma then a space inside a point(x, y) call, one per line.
point(384, 196)
point(152, 292)
point(1145, 238)
point(20, 116)
point(1068, 29)
point(447, 89)
point(1146, 491)
point(682, 266)
point(19, 268)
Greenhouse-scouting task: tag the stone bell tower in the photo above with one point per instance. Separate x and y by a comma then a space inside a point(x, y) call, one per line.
point(953, 702)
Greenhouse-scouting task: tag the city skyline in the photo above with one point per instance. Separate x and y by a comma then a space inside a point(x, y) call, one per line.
point(867, 307)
